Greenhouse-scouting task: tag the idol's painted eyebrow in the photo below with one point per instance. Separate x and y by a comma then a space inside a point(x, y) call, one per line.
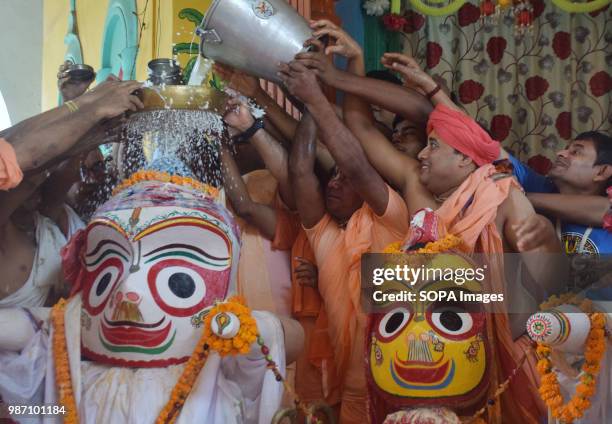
point(185, 246)
point(104, 242)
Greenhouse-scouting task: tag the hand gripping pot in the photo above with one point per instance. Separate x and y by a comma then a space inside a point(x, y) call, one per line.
point(253, 35)
point(150, 264)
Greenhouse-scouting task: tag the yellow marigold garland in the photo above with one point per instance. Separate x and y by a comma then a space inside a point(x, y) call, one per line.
point(241, 342)
point(550, 391)
point(445, 244)
point(62, 366)
point(144, 175)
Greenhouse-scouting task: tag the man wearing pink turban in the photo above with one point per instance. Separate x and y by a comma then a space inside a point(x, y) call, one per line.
point(476, 200)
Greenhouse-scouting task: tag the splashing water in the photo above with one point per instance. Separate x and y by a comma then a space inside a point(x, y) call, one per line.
point(160, 139)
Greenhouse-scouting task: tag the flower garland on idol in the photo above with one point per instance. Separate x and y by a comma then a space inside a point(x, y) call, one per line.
point(229, 329)
point(550, 390)
point(149, 175)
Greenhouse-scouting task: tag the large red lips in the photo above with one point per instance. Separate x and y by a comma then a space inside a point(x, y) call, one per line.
point(420, 374)
point(134, 336)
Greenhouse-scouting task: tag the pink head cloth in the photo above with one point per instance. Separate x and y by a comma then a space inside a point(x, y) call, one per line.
point(463, 134)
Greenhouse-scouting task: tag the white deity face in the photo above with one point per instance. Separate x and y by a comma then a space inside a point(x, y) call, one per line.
point(150, 276)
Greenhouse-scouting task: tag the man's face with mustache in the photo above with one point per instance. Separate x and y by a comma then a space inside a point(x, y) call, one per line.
point(575, 165)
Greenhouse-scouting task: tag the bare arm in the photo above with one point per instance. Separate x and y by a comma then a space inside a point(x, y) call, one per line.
point(55, 189)
point(12, 199)
point(261, 216)
point(42, 138)
point(533, 236)
point(578, 209)
point(250, 86)
point(359, 119)
point(306, 189)
point(271, 151)
point(342, 144)
point(285, 123)
point(400, 170)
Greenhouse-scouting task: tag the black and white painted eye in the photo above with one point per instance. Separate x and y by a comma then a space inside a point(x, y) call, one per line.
point(179, 287)
point(452, 321)
point(102, 285)
point(393, 322)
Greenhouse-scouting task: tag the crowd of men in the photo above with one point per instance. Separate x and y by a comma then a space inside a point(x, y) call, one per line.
point(338, 183)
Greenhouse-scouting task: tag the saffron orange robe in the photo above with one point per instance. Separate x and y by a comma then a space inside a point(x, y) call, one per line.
point(10, 172)
point(338, 254)
point(470, 213)
point(315, 375)
point(264, 275)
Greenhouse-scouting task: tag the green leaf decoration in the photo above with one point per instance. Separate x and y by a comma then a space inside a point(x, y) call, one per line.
point(217, 82)
point(189, 48)
point(189, 68)
point(191, 15)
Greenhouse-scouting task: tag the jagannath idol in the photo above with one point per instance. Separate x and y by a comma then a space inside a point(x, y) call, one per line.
point(151, 332)
point(434, 361)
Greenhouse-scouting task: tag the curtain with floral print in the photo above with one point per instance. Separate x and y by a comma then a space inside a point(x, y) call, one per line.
point(534, 91)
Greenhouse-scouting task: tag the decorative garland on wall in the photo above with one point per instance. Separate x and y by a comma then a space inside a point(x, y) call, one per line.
point(444, 7)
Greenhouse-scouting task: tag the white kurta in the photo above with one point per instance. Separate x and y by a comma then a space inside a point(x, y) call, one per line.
point(46, 267)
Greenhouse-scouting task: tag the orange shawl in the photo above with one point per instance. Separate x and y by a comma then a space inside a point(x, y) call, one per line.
point(10, 172)
point(470, 213)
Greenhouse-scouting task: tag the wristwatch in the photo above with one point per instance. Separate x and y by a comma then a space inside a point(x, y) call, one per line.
point(245, 136)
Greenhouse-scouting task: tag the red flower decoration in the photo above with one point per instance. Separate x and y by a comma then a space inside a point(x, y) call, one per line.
point(487, 8)
point(495, 48)
point(394, 22)
point(564, 125)
point(434, 52)
point(468, 14)
point(72, 264)
point(414, 22)
point(470, 91)
point(535, 86)
point(600, 83)
point(500, 127)
point(538, 8)
point(540, 164)
point(562, 44)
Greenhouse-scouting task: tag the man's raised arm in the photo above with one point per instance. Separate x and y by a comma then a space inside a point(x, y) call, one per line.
point(306, 188)
point(42, 138)
point(342, 144)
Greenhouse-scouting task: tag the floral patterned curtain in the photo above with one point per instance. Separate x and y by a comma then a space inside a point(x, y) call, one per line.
point(534, 92)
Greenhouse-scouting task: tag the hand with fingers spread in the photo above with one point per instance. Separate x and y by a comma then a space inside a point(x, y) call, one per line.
point(318, 62)
point(301, 82)
point(112, 98)
point(244, 83)
point(306, 273)
point(534, 232)
point(342, 43)
point(237, 115)
point(410, 70)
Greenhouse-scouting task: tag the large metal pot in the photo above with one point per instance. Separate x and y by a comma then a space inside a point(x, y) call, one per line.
point(253, 35)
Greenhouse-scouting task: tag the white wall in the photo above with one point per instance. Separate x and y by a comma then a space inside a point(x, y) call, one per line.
point(21, 38)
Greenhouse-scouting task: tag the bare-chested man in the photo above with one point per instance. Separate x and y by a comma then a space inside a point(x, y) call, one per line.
point(30, 242)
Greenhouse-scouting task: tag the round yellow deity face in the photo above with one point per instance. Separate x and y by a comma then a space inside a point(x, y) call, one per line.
point(431, 350)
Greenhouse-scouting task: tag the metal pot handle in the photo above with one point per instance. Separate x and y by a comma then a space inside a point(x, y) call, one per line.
point(209, 35)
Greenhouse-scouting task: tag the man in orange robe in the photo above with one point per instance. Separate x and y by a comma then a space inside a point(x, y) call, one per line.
point(359, 213)
point(316, 378)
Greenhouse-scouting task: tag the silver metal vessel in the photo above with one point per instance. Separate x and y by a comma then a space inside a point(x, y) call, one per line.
point(253, 35)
